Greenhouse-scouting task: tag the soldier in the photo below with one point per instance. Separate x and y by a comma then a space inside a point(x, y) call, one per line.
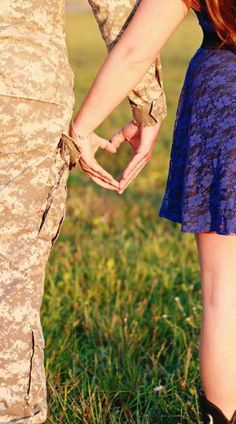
point(36, 155)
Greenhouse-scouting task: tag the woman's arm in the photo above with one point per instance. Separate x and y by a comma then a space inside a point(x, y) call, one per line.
point(147, 98)
point(141, 42)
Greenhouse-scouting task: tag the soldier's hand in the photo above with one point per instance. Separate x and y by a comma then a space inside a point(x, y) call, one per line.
point(142, 140)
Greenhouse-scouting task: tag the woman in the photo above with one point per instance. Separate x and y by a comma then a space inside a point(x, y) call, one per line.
point(201, 187)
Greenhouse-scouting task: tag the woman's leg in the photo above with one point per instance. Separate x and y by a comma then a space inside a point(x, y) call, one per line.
point(33, 177)
point(217, 256)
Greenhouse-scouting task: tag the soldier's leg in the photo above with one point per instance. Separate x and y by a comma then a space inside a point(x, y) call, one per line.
point(33, 177)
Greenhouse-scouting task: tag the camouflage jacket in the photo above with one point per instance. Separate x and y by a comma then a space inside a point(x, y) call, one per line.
point(34, 59)
point(33, 54)
point(147, 99)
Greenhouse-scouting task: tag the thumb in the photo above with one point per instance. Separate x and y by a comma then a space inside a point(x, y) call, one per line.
point(118, 139)
point(106, 145)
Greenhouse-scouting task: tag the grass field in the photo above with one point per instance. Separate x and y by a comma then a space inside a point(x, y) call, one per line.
point(122, 303)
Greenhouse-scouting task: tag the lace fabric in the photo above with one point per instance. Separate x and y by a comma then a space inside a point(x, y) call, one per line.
point(200, 192)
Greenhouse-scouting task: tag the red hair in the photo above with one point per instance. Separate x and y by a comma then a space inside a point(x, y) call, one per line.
point(223, 15)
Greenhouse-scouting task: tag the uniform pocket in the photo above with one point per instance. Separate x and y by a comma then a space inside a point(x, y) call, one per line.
point(54, 208)
point(30, 66)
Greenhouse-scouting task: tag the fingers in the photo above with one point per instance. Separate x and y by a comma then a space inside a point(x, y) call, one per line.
point(142, 147)
point(132, 177)
point(104, 174)
point(118, 139)
point(101, 183)
point(134, 163)
point(103, 143)
point(131, 130)
point(133, 169)
point(97, 171)
point(90, 165)
point(125, 134)
point(106, 145)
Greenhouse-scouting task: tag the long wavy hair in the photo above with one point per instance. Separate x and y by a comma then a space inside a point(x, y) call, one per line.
point(222, 14)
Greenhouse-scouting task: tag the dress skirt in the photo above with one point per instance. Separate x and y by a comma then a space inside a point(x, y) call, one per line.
point(200, 192)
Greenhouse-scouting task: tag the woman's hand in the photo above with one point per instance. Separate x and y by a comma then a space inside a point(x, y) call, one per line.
point(142, 141)
point(88, 148)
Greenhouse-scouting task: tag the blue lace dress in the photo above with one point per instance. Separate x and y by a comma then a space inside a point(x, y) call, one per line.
point(200, 192)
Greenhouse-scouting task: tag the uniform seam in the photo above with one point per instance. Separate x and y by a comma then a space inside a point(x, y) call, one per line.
point(30, 367)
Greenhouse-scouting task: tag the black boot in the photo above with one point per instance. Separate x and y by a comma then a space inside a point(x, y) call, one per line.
point(211, 414)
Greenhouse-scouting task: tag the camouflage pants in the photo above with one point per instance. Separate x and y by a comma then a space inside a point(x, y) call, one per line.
point(34, 167)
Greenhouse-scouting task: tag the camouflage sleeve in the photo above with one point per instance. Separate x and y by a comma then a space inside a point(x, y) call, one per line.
point(147, 99)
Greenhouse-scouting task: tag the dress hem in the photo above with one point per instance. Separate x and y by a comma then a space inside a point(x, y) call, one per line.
point(187, 229)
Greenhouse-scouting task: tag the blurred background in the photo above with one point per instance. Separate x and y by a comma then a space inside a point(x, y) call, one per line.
point(122, 302)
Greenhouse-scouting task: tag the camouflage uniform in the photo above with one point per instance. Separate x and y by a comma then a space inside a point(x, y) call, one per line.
point(36, 105)
point(34, 168)
point(36, 155)
point(147, 99)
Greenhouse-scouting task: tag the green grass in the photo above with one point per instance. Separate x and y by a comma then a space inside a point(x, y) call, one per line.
point(122, 303)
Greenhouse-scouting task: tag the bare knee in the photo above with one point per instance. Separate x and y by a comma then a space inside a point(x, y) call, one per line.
point(217, 257)
point(219, 290)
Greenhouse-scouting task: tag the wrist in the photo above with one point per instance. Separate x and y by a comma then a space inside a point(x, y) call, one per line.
point(134, 122)
point(143, 118)
point(79, 132)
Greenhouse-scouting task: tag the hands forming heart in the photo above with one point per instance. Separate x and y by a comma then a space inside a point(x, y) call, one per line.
point(141, 139)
